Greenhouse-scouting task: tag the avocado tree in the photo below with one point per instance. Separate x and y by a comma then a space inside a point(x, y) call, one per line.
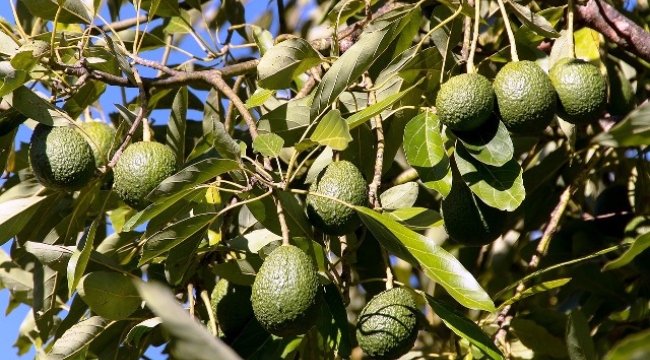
point(326, 179)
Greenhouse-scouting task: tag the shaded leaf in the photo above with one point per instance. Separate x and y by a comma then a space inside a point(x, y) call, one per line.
point(239, 271)
point(537, 338)
point(284, 61)
point(87, 95)
point(638, 246)
point(12, 79)
point(79, 259)
point(332, 131)
point(194, 174)
point(176, 125)
point(75, 340)
point(334, 302)
point(268, 144)
point(159, 207)
point(18, 281)
point(109, 294)
point(634, 130)
point(15, 215)
point(181, 257)
point(448, 36)
point(400, 196)
point(289, 121)
point(138, 331)
point(265, 212)
point(46, 282)
point(580, 345)
point(225, 145)
point(632, 347)
point(536, 289)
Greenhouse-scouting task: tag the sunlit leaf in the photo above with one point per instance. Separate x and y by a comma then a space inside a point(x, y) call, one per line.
point(332, 131)
point(638, 246)
point(268, 144)
point(400, 196)
point(281, 63)
point(416, 218)
point(534, 21)
point(80, 257)
point(490, 143)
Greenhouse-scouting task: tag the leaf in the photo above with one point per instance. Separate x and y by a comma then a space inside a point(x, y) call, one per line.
point(57, 256)
point(16, 214)
point(316, 253)
point(638, 246)
point(239, 271)
point(7, 44)
point(490, 143)
point(122, 61)
point(263, 38)
point(189, 340)
point(464, 327)
point(376, 108)
point(632, 347)
point(176, 126)
point(30, 54)
point(18, 281)
point(264, 211)
point(12, 79)
point(72, 11)
point(181, 258)
point(141, 329)
point(193, 175)
point(259, 97)
point(332, 131)
point(438, 264)
point(284, 61)
point(289, 121)
point(448, 36)
point(225, 145)
point(36, 108)
point(359, 57)
point(580, 345)
point(400, 196)
point(425, 152)
point(634, 130)
point(80, 257)
point(172, 235)
point(336, 307)
point(536, 289)
point(534, 21)
point(500, 187)
point(537, 338)
point(416, 218)
point(158, 207)
point(46, 282)
point(75, 340)
point(268, 144)
point(88, 93)
point(109, 294)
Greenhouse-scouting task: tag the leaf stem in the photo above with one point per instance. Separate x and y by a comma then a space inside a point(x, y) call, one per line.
point(511, 35)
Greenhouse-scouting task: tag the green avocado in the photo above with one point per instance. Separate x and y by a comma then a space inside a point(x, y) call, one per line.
point(581, 89)
point(343, 181)
point(140, 169)
point(465, 102)
point(526, 99)
point(388, 325)
point(468, 220)
point(100, 136)
point(61, 158)
point(285, 293)
point(232, 307)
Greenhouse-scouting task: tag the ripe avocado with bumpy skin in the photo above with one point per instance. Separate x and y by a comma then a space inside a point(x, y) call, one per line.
point(526, 99)
point(232, 307)
point(100, 138)
point(388, 325)
point(468, 220)
point(581, 89)
point(341, 180)
point(61, 158)
point(285, 292)
point(465, 102)
point(140, 169)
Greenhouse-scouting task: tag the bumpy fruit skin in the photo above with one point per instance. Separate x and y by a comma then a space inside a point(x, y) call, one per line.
point(140, 169)
point(341, 180)
point(526, 99)
point(231, 304)
point(581, 89)
point(61, 158)
point(468, 220)
point(388, 324)
point(285, 292)
point(100, 137)
point(465, 102)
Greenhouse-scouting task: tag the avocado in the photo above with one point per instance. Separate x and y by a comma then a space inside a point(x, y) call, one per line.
point(285, 293)
point(468, 220)
point(232, 307)
point(343, 181)
point(140, 169)
point(388, 325)
point(526, 99)
point(465, 102)
point(581, 90)
point(61, 158)
point(100, 137)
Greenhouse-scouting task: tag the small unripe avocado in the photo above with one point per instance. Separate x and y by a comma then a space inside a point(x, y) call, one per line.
point(285, 292)
point(341, 180)
point(140, 169)
point(468, 220)
point(388, 325)
point(100, 137)
point(232, 307)
point(581, 89)
point(465, 102)
point(526, 99)
point(61, 158)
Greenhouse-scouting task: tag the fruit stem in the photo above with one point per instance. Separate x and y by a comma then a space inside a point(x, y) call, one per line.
point(213, 321)
point(511, 35)
point(569, 20)
point(472, 49)
point(283, 221)
point(389, 272)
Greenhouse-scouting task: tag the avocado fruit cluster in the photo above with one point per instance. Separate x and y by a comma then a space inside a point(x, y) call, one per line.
point(61, 158)
point(465, 101)
point(343, 181)
point(285, 294)
point(140, 169)
point(388, 325)
point(232, 307)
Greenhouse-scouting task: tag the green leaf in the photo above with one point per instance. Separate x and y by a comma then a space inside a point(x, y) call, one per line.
point(448, 36)
point(400, 196)
point(176, 125)
point(7, 44)
point(18, 281)
point(189, 340)
point(284, 61)
point(16, 214)
point(334, 302)
point(121, 58)
point(464, 327)
point(536, 289)
point(265, 212)
point(268, 144)
point(500, 187)
point(88, 93)
point(239, 271)
point(30, 54)
point(634, 130)
point(416, 218)
point(46, 282)
point(632, 347)
point(638, 246)
point(259, 97)
point(490, 143)
point(225, 145)
point(376, 109)
point(181, 258)
point(12, 79)
point(534, 21)
point(263, 38)
point(72, 11)
point(141, 329)
point(359, 57)
point(537, 338)
point(425, 152)
point(172, 235)
point(580, 345)
point(80, 257)
point(437, 263)
point(36, 108)
point(57, 256)
point(332, 131)
point(193, 175)
point(109, 294)
point(316, 253)
point(289, 121)
point(75, 340)
point(158, 207)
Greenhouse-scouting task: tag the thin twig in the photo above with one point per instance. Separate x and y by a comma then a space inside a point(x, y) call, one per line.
point(373, 188)
point(283, 221)
point(213, 321)
point(227, 123)
point(190, 298)
point(511, 35)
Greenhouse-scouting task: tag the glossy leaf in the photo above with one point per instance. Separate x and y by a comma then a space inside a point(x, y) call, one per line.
point(75, 340)
point(436, 262)
point(580, 345)
point(638, 246)
point(375, 109)
point(400, 196)
point(176, 126)
point(268, 144)
point(158, 207)
point(416, 218)
point(332, 131)
point(490, 143)
point(109, 294)
point(138, 331)
point(72, 11)
point(284, 61)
